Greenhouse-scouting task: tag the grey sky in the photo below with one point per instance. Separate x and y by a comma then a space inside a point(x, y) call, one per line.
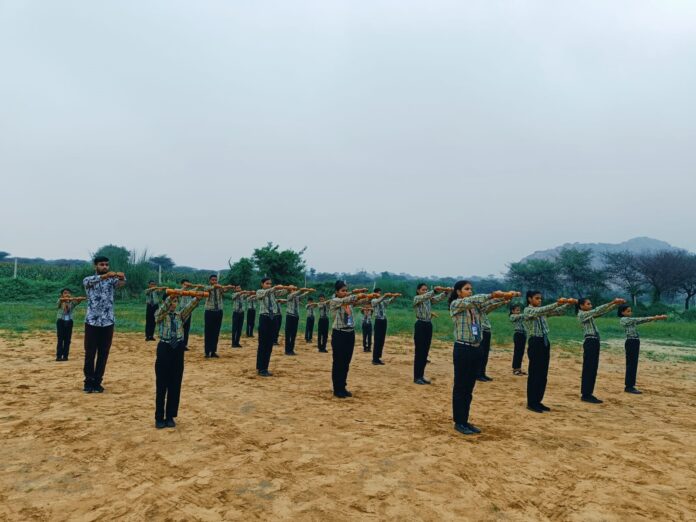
point(428, 137)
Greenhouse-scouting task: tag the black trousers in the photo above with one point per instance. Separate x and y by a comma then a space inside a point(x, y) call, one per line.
point(485, 351)
point(237, 326)
point(467, 360)
point(422, 337)
point(342, 345)
point(519, 339)
point(291, 323)
point(367, 336)
point(590, 364)
point(169, 371)
point(97, 343)
point(211, 333)
point(251, 322)
point(277, 324)
point(309, 329)
point(322, 332)
point(632, 350)
point(64, 332)
point(539, 354)
point(150, 320)
point(187, 328)
point(380, 336)
point(265, 346)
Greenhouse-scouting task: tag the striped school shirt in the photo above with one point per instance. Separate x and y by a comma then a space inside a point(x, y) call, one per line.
point(310, 310)
point(171, 324)
point(489, 306)
point(214, 300)
point(293, 306)
point(466, 316)
point(535, 318)
point(586, 319)
point(238, 302)
point(266, 298)
point(251, 302)
point(152, 296)
point(65, 309)
point(342, 310)
point(367, 316)
point(518, 322)
point(423, 304)
point(184, 301)
point(323, 309)
point(379, 305)
point(630, 324)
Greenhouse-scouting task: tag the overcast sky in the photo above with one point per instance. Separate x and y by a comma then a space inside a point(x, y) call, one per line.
point(429, 137)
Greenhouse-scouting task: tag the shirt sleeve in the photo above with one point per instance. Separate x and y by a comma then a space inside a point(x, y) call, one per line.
point(492, 304)
point(439, 297)
point(532, 311)
point(188, 310)
point(161, 312)
point(595, 312)
point(91, 281)
point(466, 303)
point(424, 297)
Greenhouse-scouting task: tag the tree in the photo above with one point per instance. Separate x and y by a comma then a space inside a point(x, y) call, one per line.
point(687, 277)
point(621, 269)
point(534, 274)
point(241, 273)
point(162, 260)
point(577, 274)
point(119, 256)
point(3, 255)
point(660, 270)
point(282, 266)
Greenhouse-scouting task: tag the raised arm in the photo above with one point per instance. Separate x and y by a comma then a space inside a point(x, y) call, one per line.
point(188, 310)
point(427, 296)
point(584, 316)
point(463, 304)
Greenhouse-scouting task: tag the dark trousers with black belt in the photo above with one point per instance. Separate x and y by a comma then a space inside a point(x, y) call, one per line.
point(485, 352)
point(169, 371)
point(367, 336)
point(519, 339)
point(467, 360)
point(97, 344)
point(322, 333)
point(211, 334)
point(64, 332)
point(237, 326)
point(342, 345)
point(277, 325)
point(539, 354)
point(265, 346)
point(590, 364)
point(309, 329)
point(251, 322)
point(291, 323)
point(632, 347)
point(150, 310)
point(422, 337)
point(187, 328)
point(380, 336)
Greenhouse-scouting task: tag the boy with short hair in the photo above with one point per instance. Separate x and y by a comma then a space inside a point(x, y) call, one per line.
point(64, 322)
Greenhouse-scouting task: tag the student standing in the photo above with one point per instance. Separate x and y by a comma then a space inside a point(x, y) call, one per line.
point(309, 323)
point(632, 345)
point(169, 364)
point(212, 318)
point(238, 298)
point(539, 348)
point(152, 303)
point(590, 346)
point(99, 321)
point(64, 322)
point(488, 307)
point(423, 328)
point(184, 301)
point(519, 338)
point(278, 319)
point(266, 299)
point(366, 312)
point(379, 305)
point(323, 325)
point(251, 314)
point(292, 318)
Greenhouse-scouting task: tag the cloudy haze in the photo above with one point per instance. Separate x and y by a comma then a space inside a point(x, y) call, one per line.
point(427, 137)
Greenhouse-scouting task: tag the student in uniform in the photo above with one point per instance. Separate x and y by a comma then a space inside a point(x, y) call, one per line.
point(169, 365)
point(323, 325)
point(152, 303)
point(251, 314)
point(184, 301)
point(465, 310)
point(237, 299)
point(292, 318)
point(266, 299)
point(343, 334)
point(632, 346)
point(519, 338)
point(590, 347)
point(379, 305)
point(488, 307)
point(213, 314)
point(423, 329)
point(278, 318)
point(64, 322)
point(538, 346)
point(309, 322)
point(366, 312)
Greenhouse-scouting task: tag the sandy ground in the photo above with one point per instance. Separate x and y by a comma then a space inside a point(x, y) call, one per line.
point(284, 448)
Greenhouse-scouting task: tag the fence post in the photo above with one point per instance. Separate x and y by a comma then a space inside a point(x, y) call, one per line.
point(159, 280)
point(15, 270)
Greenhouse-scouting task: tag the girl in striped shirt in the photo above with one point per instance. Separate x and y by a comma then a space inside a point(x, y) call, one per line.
point(632, 345)
point(519, 338)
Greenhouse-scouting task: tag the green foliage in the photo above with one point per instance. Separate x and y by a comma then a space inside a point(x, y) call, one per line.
point(535, 274)
point(578, 276)
point(162, 261)
point(3, 255)
point(282, 266)
point(642, 310)
point(118, 256)
point(22, 289)
point(242, 273)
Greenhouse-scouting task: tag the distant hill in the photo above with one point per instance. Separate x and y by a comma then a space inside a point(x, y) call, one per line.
point(636, 245)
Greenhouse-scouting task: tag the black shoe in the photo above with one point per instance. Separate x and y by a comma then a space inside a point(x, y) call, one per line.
point(421, 381)
point(464, 429)
point(633, 390)
point(481, 379)
point(214, 355)
point(264, 373)
point(207, 356)
point(186, 348)
point(378, 363)
point(368, 349)
point(535, 408)
point(169, 423)
point(340, 395)
point(428, 361)
point(88, 388)
point(324, 351)
point(65, 358)
point(97, 388)
point(545, 408)
point(591, 399)
point(473, 428)
point(290, 353)
point(487, 378)
point(159, 424)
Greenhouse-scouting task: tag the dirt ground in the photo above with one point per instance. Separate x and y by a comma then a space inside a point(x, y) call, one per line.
point(284, 448)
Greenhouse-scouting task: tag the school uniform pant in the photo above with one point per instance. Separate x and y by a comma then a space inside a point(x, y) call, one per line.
point(309, 329)
point(265, 346)
point(539, 354)
point(64, 332)
point(237, 325)
point(485, 351)
point(322, 332)
point(187, 328)
point(380, 336)
point(632, 347)
point(150, 310)
point(342, 345)
point(519, 339)
point(422, 337)
point(211, 333)
point(169, 371)
point(467, 359)
point(251, 322)
point(367, 336)
point(277, 324)
point(97, 344)
point(590, 364)
point(291, 323)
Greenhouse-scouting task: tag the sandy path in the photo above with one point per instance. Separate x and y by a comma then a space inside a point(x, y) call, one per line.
point(283, 448)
